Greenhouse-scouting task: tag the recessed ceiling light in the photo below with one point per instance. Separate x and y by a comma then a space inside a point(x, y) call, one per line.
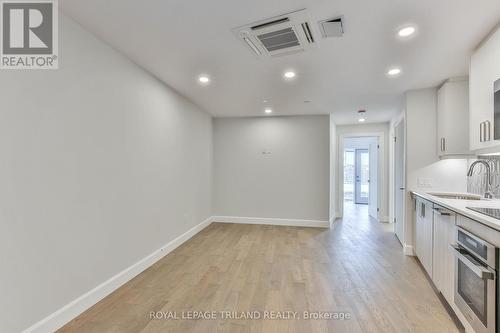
point(394, 71)
point(407, 31)
point(289, 75)
point(361, 120)
point(203, 79)
point(268, 110)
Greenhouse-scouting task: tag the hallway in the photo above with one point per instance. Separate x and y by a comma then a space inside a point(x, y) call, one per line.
point(357, 267)
point(357, 212)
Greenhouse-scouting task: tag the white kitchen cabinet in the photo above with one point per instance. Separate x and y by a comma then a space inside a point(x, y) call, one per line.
point(453, 117)
point(484, 71)
point(443, 260)
point(424, 231)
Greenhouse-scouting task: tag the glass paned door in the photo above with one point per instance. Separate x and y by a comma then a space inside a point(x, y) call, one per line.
point(349, 171)
point(362, 176)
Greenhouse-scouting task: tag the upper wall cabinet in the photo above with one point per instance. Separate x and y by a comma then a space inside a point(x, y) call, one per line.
point(453, 117)
point(484, 71)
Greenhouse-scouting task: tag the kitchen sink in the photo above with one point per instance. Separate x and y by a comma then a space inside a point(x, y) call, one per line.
point(457, 196)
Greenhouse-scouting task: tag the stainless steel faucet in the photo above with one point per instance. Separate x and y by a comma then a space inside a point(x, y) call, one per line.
point(487, 194)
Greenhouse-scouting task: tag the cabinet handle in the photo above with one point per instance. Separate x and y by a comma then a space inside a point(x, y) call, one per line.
point(443, 144)
point(481, 132)
point(440, 212)
point(487, 130)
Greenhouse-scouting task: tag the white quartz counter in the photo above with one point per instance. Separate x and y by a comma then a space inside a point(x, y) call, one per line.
point(459, 207)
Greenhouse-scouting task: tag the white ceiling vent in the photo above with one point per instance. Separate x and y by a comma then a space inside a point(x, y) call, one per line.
point(284, 34)
point(332, 27)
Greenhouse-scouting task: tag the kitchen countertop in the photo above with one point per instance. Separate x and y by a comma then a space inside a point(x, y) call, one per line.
point(459, 206)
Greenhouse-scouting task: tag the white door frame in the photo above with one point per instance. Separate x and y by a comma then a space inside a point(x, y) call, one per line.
point(395, 186)
point(381, 167)
point(373, 209)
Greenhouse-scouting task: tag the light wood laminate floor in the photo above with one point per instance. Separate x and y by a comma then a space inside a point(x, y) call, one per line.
point(357, 267)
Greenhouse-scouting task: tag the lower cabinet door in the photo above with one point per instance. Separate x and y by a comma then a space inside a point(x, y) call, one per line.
point(419, 230)
point(428, 233)
point(424, 231)
point(443, 260)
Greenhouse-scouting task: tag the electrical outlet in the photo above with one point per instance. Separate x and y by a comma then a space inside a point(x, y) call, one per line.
point(424, 182)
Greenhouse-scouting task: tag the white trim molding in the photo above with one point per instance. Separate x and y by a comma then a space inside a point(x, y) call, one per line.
point(272, 221)
point(408, 250)
point(332, 221)
point(73, 309)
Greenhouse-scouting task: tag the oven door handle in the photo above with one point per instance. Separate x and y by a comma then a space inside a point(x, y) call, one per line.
point(481, 271)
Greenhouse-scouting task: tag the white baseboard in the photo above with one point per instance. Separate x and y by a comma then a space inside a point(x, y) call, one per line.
point(70, 311)
point(272, 221)
point(408, 250)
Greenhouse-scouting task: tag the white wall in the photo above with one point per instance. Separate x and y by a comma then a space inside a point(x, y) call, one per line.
point(383, 172)
point(101, 165)
point(424, 170)
point(359, 142)
point(272, 167)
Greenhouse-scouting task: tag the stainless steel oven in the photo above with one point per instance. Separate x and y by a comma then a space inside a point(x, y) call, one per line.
point(476, 283)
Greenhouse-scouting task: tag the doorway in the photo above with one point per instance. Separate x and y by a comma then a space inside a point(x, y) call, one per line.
point(360, 175)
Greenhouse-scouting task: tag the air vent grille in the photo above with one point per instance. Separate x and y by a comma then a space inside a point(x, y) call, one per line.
point(332, 27)
point(268, 24)
point(284, 34)
point(307, 32)
point(279, 39)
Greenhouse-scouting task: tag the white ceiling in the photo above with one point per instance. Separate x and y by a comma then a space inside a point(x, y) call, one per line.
point(177, 40)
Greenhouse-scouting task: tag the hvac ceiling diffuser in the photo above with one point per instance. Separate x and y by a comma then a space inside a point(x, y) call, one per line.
point(280, 35)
